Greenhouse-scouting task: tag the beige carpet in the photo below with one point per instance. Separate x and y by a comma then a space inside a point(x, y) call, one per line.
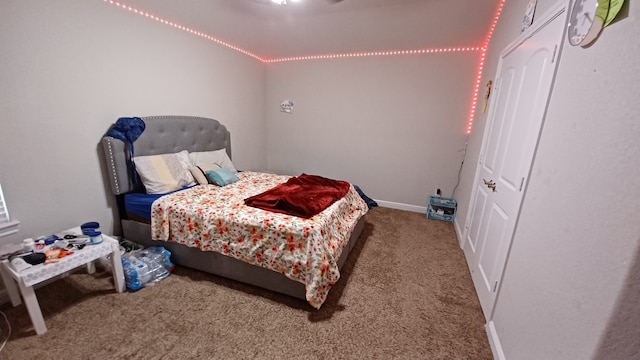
point(405, 293)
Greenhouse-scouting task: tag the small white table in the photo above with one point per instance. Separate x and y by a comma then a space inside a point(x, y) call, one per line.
point(36, 274)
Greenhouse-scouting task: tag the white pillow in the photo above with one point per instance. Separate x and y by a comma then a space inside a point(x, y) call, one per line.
point(218, 157)
point(164, 173)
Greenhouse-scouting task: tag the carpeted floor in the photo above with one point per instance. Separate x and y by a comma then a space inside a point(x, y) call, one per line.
point(405, 293)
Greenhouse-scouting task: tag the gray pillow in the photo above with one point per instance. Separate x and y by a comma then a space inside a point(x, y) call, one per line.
point(200, 173)
point(218, 157)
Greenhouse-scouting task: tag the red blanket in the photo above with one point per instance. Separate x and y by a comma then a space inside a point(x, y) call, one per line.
point(303, 196)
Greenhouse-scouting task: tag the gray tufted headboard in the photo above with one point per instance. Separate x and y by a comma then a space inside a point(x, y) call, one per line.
point(163, 135)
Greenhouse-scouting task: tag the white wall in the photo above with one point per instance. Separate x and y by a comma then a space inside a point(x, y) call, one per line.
point(69, 69)
point(571, 282)
point(393, 125)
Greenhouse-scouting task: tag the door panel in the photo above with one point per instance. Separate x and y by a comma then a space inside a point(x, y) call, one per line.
point(523, 85)
point(497, 225)
point(474, 231)
point(522, 116)
point(491, 153)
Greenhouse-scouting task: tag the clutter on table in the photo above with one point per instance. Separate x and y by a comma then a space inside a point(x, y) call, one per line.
point(51, 248)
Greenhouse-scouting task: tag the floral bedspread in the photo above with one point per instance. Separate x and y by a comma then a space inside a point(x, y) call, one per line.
point(215, 218)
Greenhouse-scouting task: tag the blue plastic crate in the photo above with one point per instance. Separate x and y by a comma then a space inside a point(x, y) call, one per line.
point(441, 208)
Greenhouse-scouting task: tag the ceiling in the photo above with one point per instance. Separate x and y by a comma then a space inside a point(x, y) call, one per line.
point(316, 27)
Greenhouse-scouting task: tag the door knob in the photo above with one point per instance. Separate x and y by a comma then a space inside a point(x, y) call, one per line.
point(490, 184)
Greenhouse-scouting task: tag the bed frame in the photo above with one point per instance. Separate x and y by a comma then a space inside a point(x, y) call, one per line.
point(170, 134)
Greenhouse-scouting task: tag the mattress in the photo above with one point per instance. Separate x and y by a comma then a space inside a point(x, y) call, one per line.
point(138, 205)
point(214, 218)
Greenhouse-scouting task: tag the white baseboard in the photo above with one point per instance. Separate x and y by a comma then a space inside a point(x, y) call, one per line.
point(494, 341)
point(459, 232)
point(400, 206)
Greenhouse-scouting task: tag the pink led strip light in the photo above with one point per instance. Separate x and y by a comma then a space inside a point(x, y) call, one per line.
point(483, 55)
point(482, 49)
point(309, 57)
point(180, 27)
point(375, 53)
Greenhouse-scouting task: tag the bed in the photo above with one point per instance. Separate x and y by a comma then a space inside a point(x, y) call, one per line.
point(210, 228)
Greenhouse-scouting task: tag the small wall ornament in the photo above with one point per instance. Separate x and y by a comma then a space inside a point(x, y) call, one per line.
point(286, 106)
point(529, 12)
point(487, 95)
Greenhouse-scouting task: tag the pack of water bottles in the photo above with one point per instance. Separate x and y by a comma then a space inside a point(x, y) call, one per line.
point(144, 267)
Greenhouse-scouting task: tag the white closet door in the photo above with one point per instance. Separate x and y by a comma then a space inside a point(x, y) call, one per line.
point(521, 92)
